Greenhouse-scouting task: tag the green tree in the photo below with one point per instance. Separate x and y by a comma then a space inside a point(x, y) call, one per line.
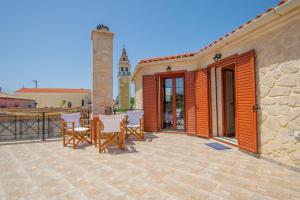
point(132, 101)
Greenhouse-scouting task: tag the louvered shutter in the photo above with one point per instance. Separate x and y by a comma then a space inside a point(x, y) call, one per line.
point(190, 118)
point(202, 103)
point(246, 102)
point(150, 103)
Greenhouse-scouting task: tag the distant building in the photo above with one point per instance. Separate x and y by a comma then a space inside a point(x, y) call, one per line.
point(56, 97)
point(11, 101)
point(124, 80)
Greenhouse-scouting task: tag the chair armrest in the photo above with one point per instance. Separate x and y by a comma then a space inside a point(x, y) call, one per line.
point(64, 125)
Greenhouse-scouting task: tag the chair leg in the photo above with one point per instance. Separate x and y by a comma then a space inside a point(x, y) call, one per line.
point(99, 143)
point(64, 139)
point(142, 134)
point(73, 141)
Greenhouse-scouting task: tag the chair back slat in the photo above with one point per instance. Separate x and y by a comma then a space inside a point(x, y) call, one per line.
point(73, 117)
point(134, 117)
point(111, 123)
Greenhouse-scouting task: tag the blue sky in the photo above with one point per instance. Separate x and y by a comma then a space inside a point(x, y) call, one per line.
point(50, 40)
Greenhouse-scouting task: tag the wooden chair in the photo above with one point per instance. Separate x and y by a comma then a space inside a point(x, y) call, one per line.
point(111, 131)
point(75, 132)
point(135, 124)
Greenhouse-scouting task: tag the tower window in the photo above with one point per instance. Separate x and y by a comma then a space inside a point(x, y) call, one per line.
point(124, 58)
point(122, 69)
point(126, 69)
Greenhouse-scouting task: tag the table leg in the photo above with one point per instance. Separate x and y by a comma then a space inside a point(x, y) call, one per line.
point(95, 121)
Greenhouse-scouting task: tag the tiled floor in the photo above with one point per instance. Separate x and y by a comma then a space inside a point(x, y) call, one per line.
point(165, 166)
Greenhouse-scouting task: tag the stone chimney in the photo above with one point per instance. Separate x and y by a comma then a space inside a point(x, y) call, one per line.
point(102, 95)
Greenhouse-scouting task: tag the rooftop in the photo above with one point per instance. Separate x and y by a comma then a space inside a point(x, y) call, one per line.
point(164, 166)
point(148, 60)
point(4, 95)
point(52, 90)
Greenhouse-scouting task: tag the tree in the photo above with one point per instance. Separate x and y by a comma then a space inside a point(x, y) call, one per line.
point(132, 101)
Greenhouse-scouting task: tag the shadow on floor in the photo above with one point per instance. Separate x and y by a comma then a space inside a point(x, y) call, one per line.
point(129, 145)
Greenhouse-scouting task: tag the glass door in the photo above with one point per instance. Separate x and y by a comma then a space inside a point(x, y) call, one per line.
point(173, 103)
point(179, 92)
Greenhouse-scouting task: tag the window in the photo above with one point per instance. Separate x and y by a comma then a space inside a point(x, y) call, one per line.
point(69, 104)
point(124, 59)
point(122, 69)
point(126, 69)
point(82, 102)
point(29, 106)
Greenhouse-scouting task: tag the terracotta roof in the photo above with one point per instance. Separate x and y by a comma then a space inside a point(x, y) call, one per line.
point(16, 98)
point(211, 44)
point(52, 90)
point(167, 57)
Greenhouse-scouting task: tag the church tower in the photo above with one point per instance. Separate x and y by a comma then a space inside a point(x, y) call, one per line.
point(124, 80)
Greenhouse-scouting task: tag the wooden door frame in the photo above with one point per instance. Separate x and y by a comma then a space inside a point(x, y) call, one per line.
point(165, 75)
point(225, 62)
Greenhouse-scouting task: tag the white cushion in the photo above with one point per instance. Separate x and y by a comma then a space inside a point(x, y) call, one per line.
point(73, 117)
point(134, 117)
point(79, 129)
point(111, 123)
point(133, 126)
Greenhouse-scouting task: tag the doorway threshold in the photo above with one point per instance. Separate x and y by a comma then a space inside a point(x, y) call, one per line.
point(227, 140)
point(172, 131)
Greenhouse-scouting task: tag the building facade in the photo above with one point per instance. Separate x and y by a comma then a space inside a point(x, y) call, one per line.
point(242, 89)
point(11, 101)
point(124, 80)
point(57, 97)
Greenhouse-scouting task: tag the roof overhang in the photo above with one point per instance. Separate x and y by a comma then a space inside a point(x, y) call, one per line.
point(237, 34)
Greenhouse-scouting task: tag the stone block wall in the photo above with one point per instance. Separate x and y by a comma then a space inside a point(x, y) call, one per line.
point(280, 108)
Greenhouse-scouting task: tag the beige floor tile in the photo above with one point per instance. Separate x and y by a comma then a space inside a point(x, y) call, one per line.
point(163, 166)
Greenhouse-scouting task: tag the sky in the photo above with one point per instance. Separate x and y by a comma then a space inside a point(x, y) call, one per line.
point(50, 40)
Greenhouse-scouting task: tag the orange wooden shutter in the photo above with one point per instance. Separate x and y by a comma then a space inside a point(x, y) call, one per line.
point(246, 102)
point(190, 118)
point(150, 103)
point(202, 103)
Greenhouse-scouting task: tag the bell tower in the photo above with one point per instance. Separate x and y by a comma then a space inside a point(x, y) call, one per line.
point(124, 80)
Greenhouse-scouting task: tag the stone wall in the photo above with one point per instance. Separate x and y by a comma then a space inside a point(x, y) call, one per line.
point(280, 107)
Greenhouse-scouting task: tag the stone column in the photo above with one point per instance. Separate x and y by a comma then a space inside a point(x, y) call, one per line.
point(102, 95)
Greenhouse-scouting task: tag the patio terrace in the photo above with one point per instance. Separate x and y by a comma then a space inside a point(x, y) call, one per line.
point(164, 166)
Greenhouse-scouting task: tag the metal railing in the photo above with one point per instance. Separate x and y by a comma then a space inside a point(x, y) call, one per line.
point(32, 125)
point(123, 110)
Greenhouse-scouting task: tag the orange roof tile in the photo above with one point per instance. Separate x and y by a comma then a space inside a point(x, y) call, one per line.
point(167, 57)
point(211, 44)
point(52, 90)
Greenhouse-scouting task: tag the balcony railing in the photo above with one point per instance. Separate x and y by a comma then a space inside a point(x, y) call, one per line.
point(32, 125)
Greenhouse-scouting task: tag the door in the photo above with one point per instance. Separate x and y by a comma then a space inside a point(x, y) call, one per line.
point(202, 103)
point(173, 103)
point(246, 102)
point(228, 103)
point(150, 103)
